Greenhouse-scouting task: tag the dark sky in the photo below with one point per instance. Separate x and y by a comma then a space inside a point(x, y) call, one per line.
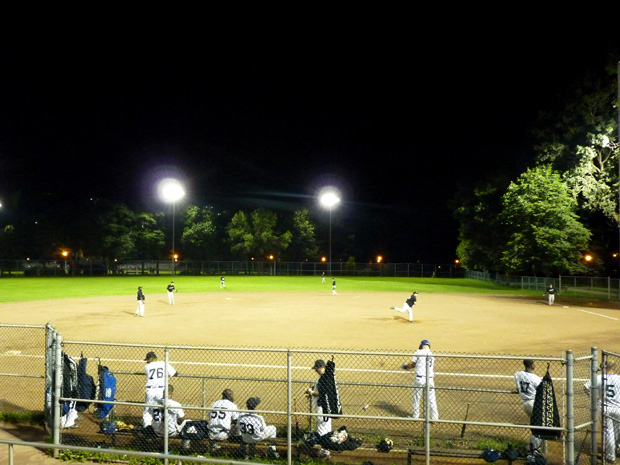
point(395, 123)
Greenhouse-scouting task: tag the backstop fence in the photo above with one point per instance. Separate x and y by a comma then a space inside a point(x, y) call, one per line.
point(476, 397)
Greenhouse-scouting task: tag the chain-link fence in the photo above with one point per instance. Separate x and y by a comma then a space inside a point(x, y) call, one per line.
point(101, 267)
point(586, 287)
point(476, 396)
point(22, 367)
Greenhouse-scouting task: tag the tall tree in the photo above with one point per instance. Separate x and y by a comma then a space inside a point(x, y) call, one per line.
point(116, 226)
point(481, 233)
point(580, 140)
point(255, 235)
point(546, 236)
point(199, 235)
point(303, 244)
point(147, 236)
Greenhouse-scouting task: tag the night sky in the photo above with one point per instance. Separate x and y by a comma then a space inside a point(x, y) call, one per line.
point(395, 123)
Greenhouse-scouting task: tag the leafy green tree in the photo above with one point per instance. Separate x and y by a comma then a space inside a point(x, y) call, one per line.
point(199, 235)
point(116, 226)
point(581, 141)
point(255, 235)
point(303, 244)
point(481, 233)
point(148, 237)
point(545, 234)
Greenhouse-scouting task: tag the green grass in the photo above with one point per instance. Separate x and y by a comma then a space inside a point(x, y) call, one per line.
point(28, 289)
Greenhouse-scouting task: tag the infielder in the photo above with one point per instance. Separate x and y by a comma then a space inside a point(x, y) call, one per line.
point(424, 364)
point(334, 286)
point(408, 306)
point(222, 283)
point(526, 382)
point(155, 372)
point(551, 293)
point(171, 290)
point(141, 299)
point(609, 385)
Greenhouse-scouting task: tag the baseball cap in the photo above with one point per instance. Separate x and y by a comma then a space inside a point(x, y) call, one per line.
point(150, 355)
point(253, 402)
point(415, 292)
point(318, 364)
point(424, 342)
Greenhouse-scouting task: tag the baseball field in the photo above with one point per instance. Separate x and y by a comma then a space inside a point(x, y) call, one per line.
point(457, 315)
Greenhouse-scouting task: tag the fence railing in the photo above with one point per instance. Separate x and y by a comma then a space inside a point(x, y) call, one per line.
point(100, 267)
point(590, 287)
point(475, 395)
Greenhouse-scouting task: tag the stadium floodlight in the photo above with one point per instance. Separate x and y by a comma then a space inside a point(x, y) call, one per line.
point(171, 191)
point(329, 198)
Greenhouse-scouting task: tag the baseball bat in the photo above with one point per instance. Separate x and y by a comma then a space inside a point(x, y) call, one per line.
point(297, 435)
point(464, 424)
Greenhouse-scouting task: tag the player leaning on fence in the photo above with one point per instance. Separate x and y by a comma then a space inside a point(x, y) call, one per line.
point(526, 382)
point(609, 394)
point(155, 372)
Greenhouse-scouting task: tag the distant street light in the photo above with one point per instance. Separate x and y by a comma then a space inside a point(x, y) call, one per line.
point(171, 191)
point(329, 198)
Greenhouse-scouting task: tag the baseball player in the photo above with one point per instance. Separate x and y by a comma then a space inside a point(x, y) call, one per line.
point(334, 286)
point(408, 305)
point(155, 372)
point(323, 278)
point(141, 299)
point(609, 394)
point(223, 415)
point(550, 293)
point(222, 283)
point(526, 382)
point(253, 429)
point(171, 290)
point(424, 364)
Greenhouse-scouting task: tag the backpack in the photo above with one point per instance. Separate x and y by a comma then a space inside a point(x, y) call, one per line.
point(106, 391)
point(69, 382)
point(85, 385)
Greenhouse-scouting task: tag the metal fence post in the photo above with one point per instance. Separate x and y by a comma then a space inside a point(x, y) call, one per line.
point(57, 386)
point(289, 396)
point(593, 405)
point(570, 412)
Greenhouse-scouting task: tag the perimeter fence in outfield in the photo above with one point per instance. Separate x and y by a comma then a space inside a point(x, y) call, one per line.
point(476, 397)
point(100, 267)
point(588, 287)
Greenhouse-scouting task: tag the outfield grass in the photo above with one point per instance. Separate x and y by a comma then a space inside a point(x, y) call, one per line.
point(27, 289)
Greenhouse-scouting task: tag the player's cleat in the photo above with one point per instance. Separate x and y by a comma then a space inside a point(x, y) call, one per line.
point(392, 308)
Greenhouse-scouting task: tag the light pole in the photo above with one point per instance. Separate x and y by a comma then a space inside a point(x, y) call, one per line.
point(171, 191)
point(329, 198)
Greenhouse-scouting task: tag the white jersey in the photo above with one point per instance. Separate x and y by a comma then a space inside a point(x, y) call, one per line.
point(612, 389)
point(155, 372)
point(526, 384)
point(251, 427)
point(420, 359)
point(221, 417)
point(174, 413)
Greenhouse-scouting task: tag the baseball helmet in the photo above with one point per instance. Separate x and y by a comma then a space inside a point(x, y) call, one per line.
point(425, 342)
point(385, 445)
point(490, 455)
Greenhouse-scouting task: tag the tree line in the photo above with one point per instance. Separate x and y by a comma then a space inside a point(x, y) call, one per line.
point(114, 231)
point(560, 216)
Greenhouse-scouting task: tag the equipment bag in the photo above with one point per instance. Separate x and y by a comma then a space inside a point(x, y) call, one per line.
point(87, 388)
point(107, 391)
